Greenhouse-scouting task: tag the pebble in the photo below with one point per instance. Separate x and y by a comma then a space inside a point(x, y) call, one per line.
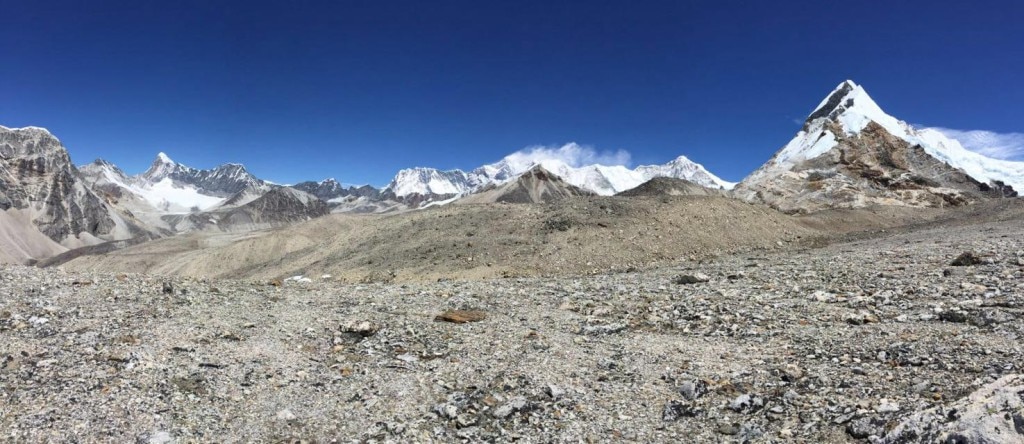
point(728, 428)
point(160, 437)
point(515, 405)
point(692, 390)
point(887, 406)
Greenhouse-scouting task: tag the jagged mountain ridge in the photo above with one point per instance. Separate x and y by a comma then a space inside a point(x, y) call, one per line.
point(47, 206)
point(278, 206)
point(178, 198)
point(851, 154)
point(223, 180)
point(670, 186)
point(433, 184)
point(537, 185)
point(169, 187)
point(331, 189)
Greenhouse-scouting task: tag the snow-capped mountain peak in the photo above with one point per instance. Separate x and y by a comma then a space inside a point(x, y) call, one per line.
point(601, 179)
point(330, 189)
point(30, 130)
point(850, 153)
point(232, 172)
point(170, 187)
point(683, 168)
point(101, 169)
point(163, 167)
point(28, 136)
point(848, 110)
point(429, 181)
point(845, 96)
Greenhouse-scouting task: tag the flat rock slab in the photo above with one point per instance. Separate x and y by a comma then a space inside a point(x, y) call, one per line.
point(992, 414)
point(461, 316)
point(695, 278)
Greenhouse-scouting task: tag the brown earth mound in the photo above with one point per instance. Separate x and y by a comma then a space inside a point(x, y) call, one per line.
point(575, 236)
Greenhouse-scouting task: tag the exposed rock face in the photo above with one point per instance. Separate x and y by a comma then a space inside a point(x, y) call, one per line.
point(222, 181)
point(870, 168)
point(104, 177)
point(36, 175)
point(415, 200)
point(168, 187)
point(330, 189)
point(535, 186)
point(850, 154)
point(992, 414)
point(279, 206)
point(324, 190)
point(669, 186)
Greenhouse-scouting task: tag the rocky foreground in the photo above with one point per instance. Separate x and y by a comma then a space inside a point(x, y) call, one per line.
point(877, 340)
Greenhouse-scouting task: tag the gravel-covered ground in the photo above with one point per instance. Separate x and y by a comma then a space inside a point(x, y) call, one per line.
point(833, 344)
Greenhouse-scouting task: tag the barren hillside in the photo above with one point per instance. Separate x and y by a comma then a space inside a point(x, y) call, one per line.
point(576, 236)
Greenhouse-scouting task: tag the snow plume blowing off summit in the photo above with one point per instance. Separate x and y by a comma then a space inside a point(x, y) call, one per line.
point(600, 172)
point(571, 154)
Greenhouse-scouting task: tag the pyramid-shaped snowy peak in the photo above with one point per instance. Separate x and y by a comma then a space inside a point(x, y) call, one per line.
point(848, 110)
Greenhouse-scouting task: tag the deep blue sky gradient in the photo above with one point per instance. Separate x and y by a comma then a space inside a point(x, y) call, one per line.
point(359, 89)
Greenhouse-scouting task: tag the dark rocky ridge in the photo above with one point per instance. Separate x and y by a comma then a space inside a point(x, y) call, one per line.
point(670, 186)
point(223, 181)
point(537, 185)
point(36, 172)
point(330, 189)
point(831, 107)
point(277, 207)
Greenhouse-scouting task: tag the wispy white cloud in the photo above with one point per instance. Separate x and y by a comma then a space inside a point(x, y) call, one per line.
point(572, 154)
point(1009, 146)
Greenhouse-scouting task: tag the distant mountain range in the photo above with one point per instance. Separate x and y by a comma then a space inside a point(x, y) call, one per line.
point(600, 179)
point(330, 189)
point(848, 154)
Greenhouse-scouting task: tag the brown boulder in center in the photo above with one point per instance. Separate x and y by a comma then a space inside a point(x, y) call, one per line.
point(461, 316)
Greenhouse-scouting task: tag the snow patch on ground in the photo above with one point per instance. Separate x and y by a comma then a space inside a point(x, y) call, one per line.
point(175, 198)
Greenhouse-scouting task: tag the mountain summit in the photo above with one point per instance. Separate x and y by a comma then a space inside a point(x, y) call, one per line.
point(170, 187)
point(850, 153)
point(222, 181)
point(45, 205)
point(429, 184)
point(537, 185)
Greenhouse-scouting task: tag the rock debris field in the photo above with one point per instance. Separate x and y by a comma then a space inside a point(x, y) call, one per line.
point(873, 340)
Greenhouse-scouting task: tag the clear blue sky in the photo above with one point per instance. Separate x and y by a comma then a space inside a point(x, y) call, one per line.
point(359, 89)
